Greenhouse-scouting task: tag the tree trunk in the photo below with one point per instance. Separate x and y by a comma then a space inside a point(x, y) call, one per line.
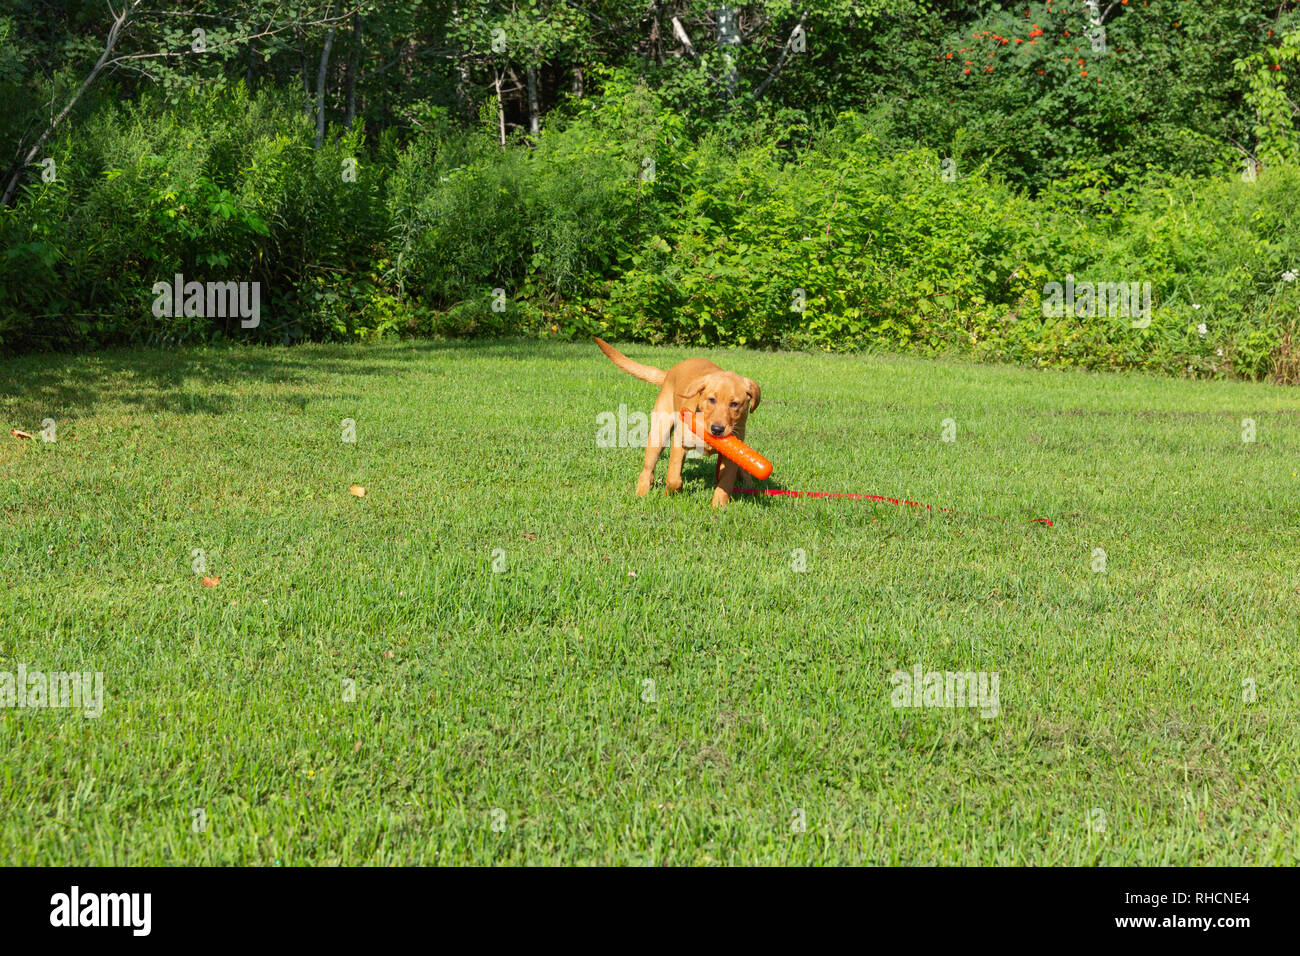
point(534, 103)
point(320, 87)
point(501, 106)
point(462, 70)
point(656, 40)
point(785, 55)
point(728, 37)
point(683, 38)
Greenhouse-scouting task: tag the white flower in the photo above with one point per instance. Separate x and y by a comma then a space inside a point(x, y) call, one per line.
point(1201, 329)
point(1289, 275)
point(1195, 305)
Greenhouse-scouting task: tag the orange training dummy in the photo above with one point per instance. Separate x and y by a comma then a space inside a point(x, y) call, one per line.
point(732, 447)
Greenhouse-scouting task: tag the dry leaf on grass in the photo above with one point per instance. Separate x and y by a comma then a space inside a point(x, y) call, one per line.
point(211, 582)
point(358, 491)
point(19, 434)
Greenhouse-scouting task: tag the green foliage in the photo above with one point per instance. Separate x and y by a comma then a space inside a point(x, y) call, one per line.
point(1271, 94)
point(748, 222)
point(1041, 89)
point(547, 221)
point(221, 187)
point(846, 246)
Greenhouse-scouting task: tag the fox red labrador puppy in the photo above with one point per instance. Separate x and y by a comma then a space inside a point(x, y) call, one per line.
point(721, 400)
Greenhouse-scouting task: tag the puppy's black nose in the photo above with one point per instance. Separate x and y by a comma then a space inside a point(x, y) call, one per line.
point(717, 429)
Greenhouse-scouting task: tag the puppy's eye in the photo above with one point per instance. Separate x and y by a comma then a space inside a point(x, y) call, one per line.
point(713, 401)
point(735, 404)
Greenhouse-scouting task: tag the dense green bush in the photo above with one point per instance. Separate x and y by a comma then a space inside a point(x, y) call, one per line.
point(546, 220)
point(847, 246)
point(223, 186)
point(615, 221)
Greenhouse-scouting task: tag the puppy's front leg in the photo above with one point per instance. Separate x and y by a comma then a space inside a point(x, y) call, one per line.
point(647, 478)
point(675, 458)
point(660, 423)
point(728, 472)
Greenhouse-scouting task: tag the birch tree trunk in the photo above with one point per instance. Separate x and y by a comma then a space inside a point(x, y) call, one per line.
point(462, 70)
point(728, 37)
point(320, 87)
point(501, 106)
point(534, 104)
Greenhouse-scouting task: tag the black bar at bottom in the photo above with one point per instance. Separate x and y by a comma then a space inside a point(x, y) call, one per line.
point(1226, 907)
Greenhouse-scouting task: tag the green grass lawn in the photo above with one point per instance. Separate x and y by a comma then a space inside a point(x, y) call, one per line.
point(507, 716)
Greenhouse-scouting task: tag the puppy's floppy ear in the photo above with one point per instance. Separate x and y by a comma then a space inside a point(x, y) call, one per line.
point(751, 387)
point(696, 387)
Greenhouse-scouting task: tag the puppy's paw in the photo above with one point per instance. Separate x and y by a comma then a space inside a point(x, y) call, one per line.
point(720, 498)
point(672, 486)
point(643, 485)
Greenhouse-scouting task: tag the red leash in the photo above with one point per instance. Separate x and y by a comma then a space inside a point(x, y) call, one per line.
point(840, 494)
point(747, 464)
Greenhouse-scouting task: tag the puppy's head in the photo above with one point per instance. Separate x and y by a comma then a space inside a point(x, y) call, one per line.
point(722, 400)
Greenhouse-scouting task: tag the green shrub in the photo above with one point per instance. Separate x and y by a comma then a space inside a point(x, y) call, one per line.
point(614, 221)
point(549, 219)
point(223, 186)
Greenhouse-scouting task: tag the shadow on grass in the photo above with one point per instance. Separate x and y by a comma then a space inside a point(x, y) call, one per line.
point(703, 471)
point(205, 380)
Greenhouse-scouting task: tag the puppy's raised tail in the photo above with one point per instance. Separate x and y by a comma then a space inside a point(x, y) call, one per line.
point(647, 373)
